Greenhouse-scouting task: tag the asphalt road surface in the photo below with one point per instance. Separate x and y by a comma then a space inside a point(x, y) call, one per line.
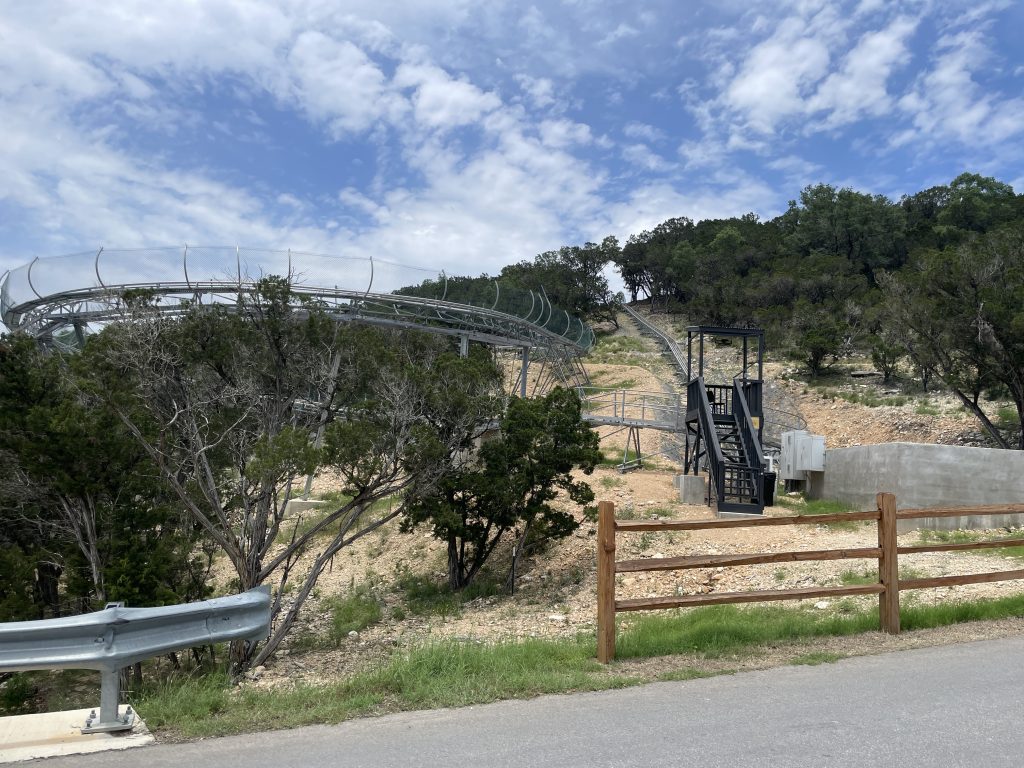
point(957, 705)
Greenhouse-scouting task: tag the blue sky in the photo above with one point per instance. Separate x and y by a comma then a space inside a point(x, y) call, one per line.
point(465, 135)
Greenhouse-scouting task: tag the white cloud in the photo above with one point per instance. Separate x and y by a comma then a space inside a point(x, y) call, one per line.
point(335, 82)
point(541, 90)
point(948, 103)
point(441, 101)
point(641, 156)
point(621, 32)
point(777, 76)
point(652, 204)
point(564, 133)
point(861, 85)
point(643, 131)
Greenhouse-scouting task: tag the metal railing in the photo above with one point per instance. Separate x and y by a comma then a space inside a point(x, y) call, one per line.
point(627, 407)
point(673, 348)
point(697, 393)
point(748, 436)
point(118, 637)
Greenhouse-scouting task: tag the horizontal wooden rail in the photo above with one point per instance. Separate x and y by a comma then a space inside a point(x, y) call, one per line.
point(994, 544)
point(954, 581)
point(714, 561)
point(887, 553)
point(630, 526)
point(989, 509)
point(760, 596)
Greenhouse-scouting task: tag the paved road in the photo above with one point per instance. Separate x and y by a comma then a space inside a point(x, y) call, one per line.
point(950, 706)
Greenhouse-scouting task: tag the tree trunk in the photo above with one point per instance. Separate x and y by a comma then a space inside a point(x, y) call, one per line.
point(454, 566)
point(991, 428)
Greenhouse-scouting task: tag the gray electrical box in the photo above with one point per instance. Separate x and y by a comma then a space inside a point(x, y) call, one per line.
point(801, 452)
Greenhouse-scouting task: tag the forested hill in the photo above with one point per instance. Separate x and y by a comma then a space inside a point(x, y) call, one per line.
point(933, 283)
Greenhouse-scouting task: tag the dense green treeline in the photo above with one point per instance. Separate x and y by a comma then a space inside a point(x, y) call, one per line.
point(931, 286)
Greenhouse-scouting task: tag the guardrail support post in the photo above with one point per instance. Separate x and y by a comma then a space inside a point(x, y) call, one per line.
point(888, 565)
point(605, 582)
point(110, 719)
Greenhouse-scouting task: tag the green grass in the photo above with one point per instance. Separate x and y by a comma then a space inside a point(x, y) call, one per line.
point(353, 613)
point(448, 674)
point(426, 597)
point(17, 695)
point(612, 457)
point(1006, 417)
point(851, 577)
point(725, 629)
point(866, 397)
point(612, 386)
point(25, 693)
point(927, 409)
point(459, 673)
point(801, 506)
point(616, 349)
point(612, 482)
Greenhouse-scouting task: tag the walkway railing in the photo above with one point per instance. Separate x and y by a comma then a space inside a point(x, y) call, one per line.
point(628, 407)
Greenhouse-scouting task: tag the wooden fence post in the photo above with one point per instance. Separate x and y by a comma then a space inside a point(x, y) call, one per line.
point(605, 581)
point(888, 565)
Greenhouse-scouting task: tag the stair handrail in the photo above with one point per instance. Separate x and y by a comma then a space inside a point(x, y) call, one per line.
point(748, 434)
point(716, 462)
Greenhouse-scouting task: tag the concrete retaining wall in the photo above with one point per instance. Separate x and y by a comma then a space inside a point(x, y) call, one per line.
point(924, 476)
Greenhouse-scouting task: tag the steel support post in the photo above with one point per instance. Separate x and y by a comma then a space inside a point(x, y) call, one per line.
point(463, 346)
point(526, 368)
point(110, 719)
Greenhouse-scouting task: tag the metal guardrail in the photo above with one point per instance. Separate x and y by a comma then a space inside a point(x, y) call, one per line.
point(118, 637)
point(673, 348)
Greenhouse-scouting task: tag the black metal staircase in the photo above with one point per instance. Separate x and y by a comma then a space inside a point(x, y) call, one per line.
point(723, 431)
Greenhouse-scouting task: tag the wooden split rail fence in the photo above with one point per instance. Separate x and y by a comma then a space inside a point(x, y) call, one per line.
point(887, 553)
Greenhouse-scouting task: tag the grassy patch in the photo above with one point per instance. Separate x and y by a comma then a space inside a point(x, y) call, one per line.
point(1006, 417)
point(616, 349)
point(851, 577)
point(609, 481)
point(449, 674)
point(801, 506)
point(612, 386)
point(426, 597)
point(723, 629)
point(943, 614)
point(353, 613)
point(25, 693)
point(454, 673)
point(867, 398)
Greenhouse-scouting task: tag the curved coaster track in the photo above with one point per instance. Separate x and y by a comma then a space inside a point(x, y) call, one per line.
point(60, 300)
